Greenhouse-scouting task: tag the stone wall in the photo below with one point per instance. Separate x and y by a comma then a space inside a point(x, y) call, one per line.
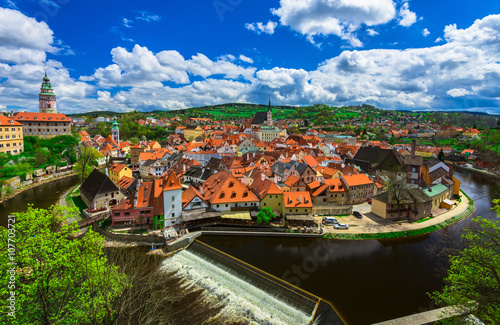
point(332, 210)
point(157, 240)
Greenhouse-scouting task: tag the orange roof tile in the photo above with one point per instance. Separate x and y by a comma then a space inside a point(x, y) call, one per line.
point(172, 183)
point(355, 180)
point(297, 200)
point(5, 121)
point(53, 117)
point(117, 167)
point(225, 188)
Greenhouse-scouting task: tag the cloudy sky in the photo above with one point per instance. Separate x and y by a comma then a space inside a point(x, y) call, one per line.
point(146, 55)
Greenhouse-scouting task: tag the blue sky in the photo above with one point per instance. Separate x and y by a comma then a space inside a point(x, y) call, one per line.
point(145, 55)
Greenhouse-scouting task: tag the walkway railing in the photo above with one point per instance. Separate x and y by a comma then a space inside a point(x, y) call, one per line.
point(90, 221)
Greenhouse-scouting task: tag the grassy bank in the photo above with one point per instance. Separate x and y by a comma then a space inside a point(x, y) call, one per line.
point(414, 232)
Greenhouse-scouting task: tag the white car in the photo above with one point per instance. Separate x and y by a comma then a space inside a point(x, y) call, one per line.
point(341, 226)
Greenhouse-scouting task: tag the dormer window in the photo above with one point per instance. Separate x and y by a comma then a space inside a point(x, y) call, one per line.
point(20, 117)
point(36, 117)
point(50, 118)
point(231, 184)
point(245, 194)
point(222, 195)
point(233, 195)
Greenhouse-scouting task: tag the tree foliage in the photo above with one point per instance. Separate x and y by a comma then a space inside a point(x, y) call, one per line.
point(473, 280)
point(265, 215)
point(58, 280)
point(86, 160)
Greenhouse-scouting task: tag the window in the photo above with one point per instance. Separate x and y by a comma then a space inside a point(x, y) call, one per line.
point(127, 213)
point(117, 214)
point(173, 198)
point(173, 215)
point(173, 206)
point(264, 204)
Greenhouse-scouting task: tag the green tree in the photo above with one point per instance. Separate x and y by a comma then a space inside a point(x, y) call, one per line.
point(58, 279)
point(265, 215)
point(441, 155)
point(86, 159)
point(473, 280)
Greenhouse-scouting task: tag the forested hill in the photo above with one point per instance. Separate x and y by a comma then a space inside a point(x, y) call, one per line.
point(318, 114)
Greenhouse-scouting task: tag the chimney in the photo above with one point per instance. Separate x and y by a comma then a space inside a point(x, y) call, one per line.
point(413, 143)
point(262, 177)
point(300, 199)
point(451, 171)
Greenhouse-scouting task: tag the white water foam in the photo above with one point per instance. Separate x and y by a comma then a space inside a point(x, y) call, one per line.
point(240, 301)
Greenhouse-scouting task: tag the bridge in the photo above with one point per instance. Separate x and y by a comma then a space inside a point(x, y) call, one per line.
point(95, 218)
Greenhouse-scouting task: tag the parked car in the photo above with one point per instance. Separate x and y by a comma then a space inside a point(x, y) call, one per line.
point(330, 220)
point(357, 214)
point(341, 226)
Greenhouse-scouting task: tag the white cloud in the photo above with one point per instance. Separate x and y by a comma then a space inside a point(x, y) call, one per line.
point(147, 16)
point(127, 23)
point(314, 18)
point(438, 40)
point(458, 92)
point(246, 59)
point(406, 17)
point(466, 64)
point(262, 28)
point(371, 32)
point(425, 32)
point(142, 68)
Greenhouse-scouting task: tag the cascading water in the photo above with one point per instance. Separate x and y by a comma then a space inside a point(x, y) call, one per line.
point(239, 300)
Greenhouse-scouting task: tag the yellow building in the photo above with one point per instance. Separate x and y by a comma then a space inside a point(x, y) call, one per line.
point(117, 171)
point(11, 136)
point(270, 194)
point(297, 203)
point(193, 132)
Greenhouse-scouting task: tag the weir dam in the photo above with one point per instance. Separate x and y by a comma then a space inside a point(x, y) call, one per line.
point(246, 292)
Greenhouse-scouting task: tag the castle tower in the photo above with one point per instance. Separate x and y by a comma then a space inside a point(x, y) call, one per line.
point(269, 115)
point(46, 98)
point(115, 132)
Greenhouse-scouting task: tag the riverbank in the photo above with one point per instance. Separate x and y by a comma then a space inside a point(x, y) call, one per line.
point(381, 228)
point(33, 185)
point(478, 171)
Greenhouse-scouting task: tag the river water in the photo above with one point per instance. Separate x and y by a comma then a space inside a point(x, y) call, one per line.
point(42, 196)
point(366, 281)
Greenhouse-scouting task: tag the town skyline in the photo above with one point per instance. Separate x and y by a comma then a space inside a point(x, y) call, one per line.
point(393, 55)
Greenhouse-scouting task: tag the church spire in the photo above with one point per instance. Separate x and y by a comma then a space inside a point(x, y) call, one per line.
point(269, 117)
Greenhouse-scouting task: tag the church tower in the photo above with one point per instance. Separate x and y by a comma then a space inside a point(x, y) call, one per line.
point(115, 132)
point(269, 115)
point(46, 98)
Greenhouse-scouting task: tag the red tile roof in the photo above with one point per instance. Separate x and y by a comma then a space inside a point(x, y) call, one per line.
point(52, 117)
point(225, 188)
point(355, 180)
point(172, 183)
point(5, 121)
point(297, 200)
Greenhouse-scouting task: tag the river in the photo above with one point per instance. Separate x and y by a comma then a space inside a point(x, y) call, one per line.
point(366, 281)
point(42, 196)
